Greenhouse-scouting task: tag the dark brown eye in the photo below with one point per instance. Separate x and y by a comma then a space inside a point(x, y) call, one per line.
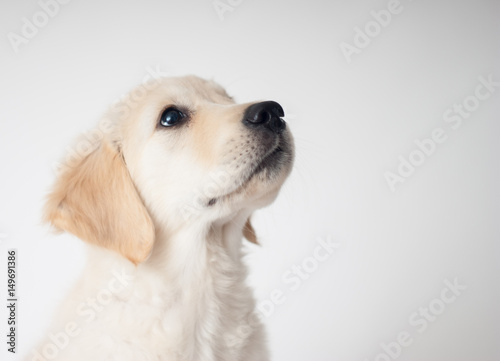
point(171, 116)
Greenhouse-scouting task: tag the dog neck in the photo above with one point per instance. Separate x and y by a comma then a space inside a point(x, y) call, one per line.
point(194, 282)
point(196, 244)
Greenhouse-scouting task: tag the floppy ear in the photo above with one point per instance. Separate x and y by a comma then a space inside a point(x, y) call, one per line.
point(96, 201)
point(249, 232)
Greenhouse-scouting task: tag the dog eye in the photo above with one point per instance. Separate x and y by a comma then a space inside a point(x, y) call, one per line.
point(171, 117)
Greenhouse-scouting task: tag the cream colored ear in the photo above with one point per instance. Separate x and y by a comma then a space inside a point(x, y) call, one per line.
point(96, 201)
point(249, 232)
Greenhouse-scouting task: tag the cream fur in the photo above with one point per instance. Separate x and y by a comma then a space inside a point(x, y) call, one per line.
point(164, 212)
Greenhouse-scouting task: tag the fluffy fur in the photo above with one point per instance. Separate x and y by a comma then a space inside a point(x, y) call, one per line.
point(164, 211)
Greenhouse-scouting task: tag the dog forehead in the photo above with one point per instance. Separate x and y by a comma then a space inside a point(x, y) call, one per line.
point(191, 89)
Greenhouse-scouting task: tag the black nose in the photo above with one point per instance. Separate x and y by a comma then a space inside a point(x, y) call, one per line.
point(266, 114)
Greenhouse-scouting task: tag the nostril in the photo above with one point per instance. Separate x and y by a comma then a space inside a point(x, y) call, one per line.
point(265, 117)
point(259, 116)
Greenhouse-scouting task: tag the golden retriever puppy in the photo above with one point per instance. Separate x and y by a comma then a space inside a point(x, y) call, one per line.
point(163, 198)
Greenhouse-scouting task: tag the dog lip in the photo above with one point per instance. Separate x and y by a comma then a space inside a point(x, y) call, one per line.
point(268, 161)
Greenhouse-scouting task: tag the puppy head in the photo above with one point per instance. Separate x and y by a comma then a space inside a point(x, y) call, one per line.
point(185, 152)
point(196, 154)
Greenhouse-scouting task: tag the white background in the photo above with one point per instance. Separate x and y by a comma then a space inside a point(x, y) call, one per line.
point(351, 120)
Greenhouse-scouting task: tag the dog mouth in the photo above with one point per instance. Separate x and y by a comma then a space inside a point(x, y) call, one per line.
point(267, 169)
point(269, 162)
